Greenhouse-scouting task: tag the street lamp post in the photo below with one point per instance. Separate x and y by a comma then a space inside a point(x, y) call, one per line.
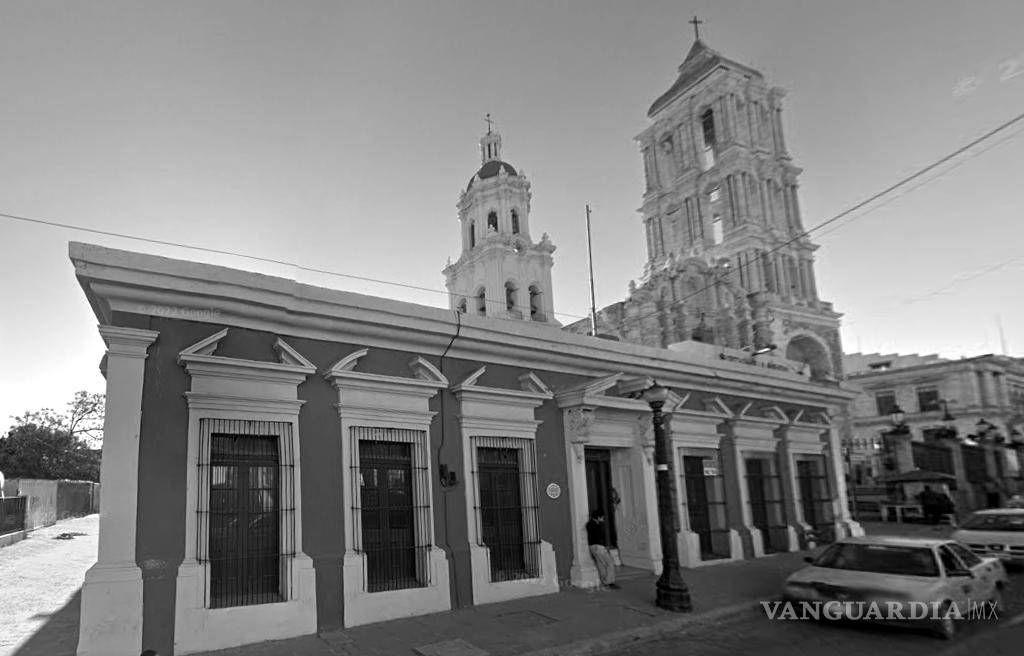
point(671, 591)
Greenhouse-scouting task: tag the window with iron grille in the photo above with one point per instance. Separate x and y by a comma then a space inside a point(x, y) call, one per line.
point(764, 488)
point(974, 463)
point(932, 457)
point(507, 509)
point(885, 402)
point(928, 399)
point(246, 510)
point(391, 506)
point(815, 499)
point(704, 503)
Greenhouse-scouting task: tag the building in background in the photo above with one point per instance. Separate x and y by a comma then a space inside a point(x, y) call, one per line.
point(961, 418)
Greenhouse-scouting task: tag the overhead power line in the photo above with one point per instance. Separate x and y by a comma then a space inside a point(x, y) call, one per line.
point(269, 260)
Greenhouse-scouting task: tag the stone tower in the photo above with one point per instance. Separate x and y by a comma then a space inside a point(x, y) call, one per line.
point(501, 272)
point(721, 187)
point(726, 259)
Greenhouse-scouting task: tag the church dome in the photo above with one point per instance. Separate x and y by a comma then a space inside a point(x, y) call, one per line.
point(490, 169)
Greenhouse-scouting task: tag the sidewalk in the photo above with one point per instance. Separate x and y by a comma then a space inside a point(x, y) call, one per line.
point(572, 622)
point(40, 579)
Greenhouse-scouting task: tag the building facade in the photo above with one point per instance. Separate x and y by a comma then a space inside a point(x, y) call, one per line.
point(963, 418)
point(281, 459)
point(727, 260)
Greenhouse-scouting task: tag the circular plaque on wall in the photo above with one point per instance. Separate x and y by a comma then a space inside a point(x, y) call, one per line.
point(554, 490)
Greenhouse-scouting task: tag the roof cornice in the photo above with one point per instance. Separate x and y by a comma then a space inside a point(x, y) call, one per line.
point(130, 282)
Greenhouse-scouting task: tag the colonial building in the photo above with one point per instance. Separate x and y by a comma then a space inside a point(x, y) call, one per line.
point(727, 261)
point(280, 458)
point(962, 419)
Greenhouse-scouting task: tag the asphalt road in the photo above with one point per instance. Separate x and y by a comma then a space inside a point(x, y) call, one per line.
point(751, 632)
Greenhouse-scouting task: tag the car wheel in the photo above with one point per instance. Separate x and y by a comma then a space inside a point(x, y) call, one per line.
point(945, 626)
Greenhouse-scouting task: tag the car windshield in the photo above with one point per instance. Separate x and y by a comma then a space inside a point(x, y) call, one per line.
point(880, 558)
point(995, 522)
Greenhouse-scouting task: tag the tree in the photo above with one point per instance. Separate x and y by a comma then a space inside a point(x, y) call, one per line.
point(48, 444)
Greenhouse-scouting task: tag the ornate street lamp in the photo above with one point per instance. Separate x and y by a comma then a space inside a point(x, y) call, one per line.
point(898, 419)
point(671, 591)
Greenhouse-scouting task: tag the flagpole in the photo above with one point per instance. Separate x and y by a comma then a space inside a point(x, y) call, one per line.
point(590, 262)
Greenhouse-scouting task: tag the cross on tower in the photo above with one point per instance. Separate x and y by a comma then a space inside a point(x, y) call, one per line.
point(489, 121)
point(696, 27)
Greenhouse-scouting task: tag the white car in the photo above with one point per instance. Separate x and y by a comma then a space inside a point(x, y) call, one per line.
point(998, 532)
point(891, 572)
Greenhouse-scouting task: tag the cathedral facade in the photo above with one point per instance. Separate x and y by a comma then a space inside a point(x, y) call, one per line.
point(727, 258)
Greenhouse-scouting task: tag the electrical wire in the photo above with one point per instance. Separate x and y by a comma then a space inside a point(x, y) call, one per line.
point(845, 213)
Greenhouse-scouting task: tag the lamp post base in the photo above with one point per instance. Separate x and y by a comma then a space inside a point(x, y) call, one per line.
point(671, 592)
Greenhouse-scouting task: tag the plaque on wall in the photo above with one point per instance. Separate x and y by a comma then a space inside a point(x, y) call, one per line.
point(554, 490)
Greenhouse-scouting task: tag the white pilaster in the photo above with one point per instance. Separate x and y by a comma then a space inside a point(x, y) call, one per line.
point(111, 615)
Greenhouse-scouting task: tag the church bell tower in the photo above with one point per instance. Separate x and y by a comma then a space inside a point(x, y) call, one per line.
point(502, 272)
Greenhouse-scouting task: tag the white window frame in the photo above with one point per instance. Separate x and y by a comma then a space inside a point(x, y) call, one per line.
point(241, 390)
point(379, 401)
point(490, 412)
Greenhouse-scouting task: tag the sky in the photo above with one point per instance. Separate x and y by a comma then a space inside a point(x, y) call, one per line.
point(337, 135)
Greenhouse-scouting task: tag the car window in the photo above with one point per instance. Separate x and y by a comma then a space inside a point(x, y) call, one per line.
point(994, 522)
point(880, 558)
point(968, 557)
point(949, 560)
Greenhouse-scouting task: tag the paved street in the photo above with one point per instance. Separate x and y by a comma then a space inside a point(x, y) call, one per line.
point(738, 633)
point(40, 578)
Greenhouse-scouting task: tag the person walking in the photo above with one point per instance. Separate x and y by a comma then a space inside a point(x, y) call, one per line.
point(599, 550)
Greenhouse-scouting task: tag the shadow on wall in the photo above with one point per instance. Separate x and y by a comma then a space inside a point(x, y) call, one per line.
point(59, 636)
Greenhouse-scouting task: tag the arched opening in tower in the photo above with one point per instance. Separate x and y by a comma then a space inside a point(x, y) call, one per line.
point(515, 222)
point(809, 351)
point(492, 221)
point(510, 296)
point(481, 302)
point(535, 312)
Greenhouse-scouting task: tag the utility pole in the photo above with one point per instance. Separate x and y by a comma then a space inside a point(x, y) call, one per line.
point(590, 262)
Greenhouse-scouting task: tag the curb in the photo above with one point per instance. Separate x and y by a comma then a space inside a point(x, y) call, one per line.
point(605, 643)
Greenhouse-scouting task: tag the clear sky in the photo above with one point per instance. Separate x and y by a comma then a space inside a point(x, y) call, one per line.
point(339, 134)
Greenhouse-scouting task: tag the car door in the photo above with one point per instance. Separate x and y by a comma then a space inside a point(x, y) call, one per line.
point(985, 573)
point(957, 588)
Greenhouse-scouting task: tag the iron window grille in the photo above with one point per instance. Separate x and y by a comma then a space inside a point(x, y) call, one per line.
point(932, 457)
point(885, 403)
point(246, 510)
point(705, 506)
point(815, 496)
point(507, 511)
point(974, 463)
point(391, 506)
point(928, 399)
point(767, 508)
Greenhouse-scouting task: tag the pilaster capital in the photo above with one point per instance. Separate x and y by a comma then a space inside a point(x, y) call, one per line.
point(127, 342)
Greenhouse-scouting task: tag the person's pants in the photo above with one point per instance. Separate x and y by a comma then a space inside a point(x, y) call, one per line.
point(605, 563)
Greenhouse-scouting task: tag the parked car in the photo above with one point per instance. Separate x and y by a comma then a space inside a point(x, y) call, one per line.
point(996, 532)
point(894, 571)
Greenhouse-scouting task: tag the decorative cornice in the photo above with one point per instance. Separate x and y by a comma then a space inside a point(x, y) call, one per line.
point(121, 281)
point(198, 360)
